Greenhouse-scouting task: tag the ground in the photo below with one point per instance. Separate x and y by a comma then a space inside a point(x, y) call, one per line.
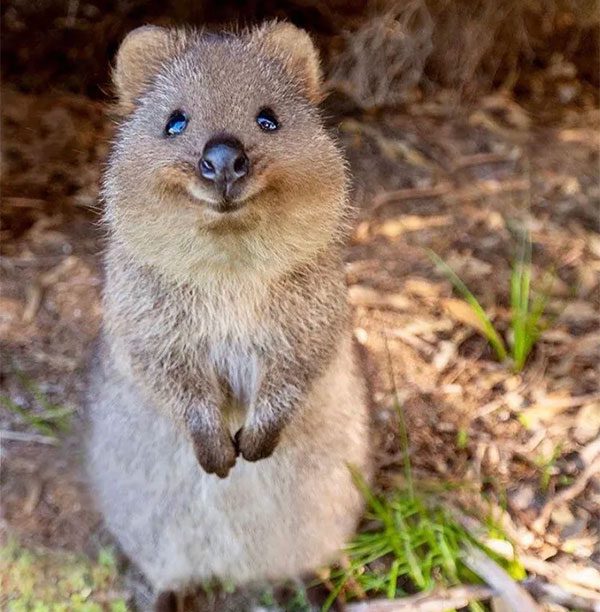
point(462, 181)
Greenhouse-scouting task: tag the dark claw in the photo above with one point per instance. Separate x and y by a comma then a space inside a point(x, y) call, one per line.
point(236, 442)
point(214, 457)
point(166, 602)
point(256, 446)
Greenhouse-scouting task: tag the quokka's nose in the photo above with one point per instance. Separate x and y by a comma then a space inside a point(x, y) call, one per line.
point(224, 162)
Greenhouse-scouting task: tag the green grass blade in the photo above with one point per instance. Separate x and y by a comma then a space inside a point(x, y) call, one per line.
point(50, 420)
point(525, 313)
point(488, 329)
point(334, 593)
point(28, 416)
point(393, 579)
point(407, 551)
point(402, 431)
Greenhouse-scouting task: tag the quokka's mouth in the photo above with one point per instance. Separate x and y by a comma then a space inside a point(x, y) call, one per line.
point(219, 204)
point(228, 206)
point(215, 202)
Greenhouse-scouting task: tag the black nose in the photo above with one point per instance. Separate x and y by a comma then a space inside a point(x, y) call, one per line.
point(224, 162)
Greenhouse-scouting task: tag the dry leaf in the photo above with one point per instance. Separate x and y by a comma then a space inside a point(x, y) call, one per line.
point(587, 424)
point(463, 313)
point(411, 223)
point(423, 287)
point(360, 295)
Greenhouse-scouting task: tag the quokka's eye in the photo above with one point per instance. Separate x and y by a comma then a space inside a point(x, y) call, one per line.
point(176, 124)
point(267, 120)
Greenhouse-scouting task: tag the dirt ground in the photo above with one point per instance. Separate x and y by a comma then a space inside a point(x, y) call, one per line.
point(435, 175)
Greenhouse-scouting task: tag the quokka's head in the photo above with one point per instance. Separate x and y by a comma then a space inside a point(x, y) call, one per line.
point(221, 135)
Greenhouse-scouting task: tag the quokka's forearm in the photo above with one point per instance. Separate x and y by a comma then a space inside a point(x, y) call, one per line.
point(194, 399)
point(287, 377)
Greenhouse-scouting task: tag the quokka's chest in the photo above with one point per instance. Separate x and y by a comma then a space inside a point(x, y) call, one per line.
point(232, 343)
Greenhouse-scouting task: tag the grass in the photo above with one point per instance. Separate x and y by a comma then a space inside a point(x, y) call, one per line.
point(546, 466)
point(49, 419)
point(41, 580)
point(411, 544)
point(526, 311)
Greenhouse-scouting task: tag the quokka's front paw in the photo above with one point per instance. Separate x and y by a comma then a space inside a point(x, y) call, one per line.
point(216, 453)
point(255, 444)
point(166, 601)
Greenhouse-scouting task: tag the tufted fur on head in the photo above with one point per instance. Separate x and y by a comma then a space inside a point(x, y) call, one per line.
point(293, 202)
point(145, 50)
point(140, 58)
point(296, 48)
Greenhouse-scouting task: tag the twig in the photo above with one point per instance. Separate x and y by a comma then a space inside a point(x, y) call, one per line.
point(413, 341)
point(590, 451)
point(556, 594)
point(566, 495)
point(437, 601)
point(475, 191)
point(21, 202)
point(35, 292)
point(569, 577)
point(513, 596)
point(21, 436)
point(480, 159)
point(401, 195)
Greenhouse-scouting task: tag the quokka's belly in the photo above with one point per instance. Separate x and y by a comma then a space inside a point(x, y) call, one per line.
point(271, 519)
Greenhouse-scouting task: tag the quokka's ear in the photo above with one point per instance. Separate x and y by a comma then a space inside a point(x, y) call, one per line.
point(139, 59)
point(295, 47)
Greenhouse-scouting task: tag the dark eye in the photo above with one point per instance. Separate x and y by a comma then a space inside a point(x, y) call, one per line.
point(176, 124)
point(267, 120)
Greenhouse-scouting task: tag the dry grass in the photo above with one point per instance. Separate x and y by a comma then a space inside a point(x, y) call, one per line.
point(468, 46)
point(399, 38)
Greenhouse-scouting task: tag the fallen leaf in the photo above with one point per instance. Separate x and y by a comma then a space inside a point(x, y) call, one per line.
point(411, 223)
point(445, 354)
point(423, 287)
point(463, 313)
point(360, 295)
point(587, 424)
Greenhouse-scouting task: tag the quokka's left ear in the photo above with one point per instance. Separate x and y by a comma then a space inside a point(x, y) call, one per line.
point(139, 60)
point(298, 52)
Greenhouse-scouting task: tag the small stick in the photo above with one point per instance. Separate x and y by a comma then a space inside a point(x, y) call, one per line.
point(566, 495)
point(21, 436)
point(513, 596)
point(556, 594)
point(401, 195)
point(436, 601)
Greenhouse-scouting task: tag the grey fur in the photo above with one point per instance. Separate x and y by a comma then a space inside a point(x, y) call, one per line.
point(217, 326)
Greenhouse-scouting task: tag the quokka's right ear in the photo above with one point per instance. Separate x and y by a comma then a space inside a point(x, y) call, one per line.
point(139, 59)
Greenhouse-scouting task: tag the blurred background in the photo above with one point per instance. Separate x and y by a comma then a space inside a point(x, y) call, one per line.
point(472, 132)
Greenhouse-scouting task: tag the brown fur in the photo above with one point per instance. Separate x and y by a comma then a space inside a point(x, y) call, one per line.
point(231, 327)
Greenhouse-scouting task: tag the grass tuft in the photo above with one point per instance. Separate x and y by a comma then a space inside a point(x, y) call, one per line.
point(525, 311)
point(411, 543)
point(489, 331)
point(48, 419)
point(54, 581)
